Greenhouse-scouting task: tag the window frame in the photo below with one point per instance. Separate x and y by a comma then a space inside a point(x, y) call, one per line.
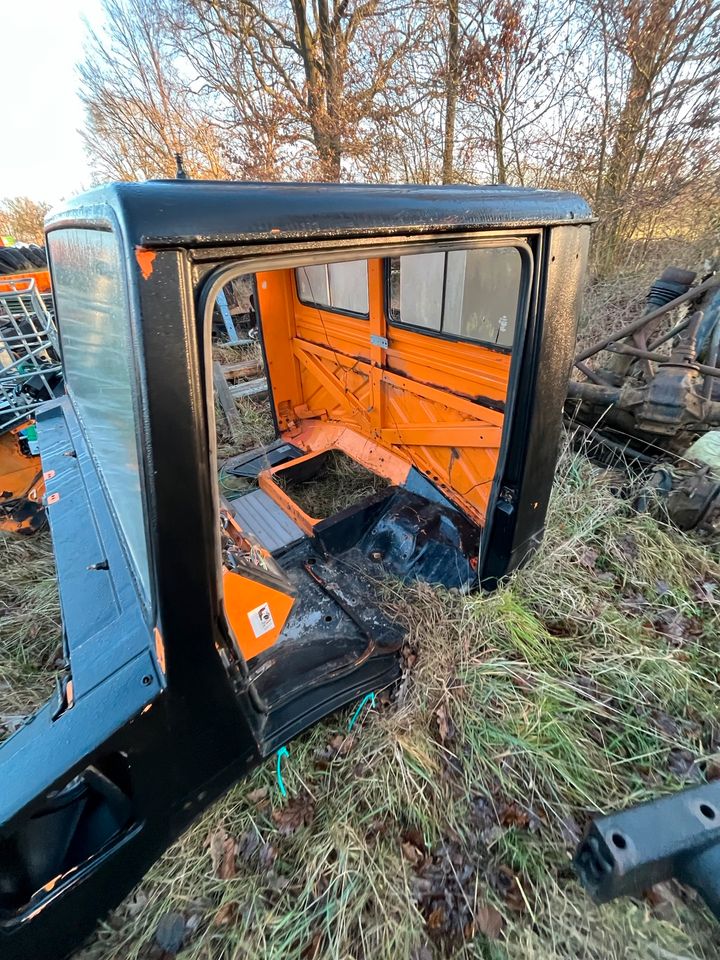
point(105, 221)
point(354, 314)
point(520, 243)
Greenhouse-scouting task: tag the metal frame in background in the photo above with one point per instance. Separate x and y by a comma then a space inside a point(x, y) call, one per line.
point(29, 354)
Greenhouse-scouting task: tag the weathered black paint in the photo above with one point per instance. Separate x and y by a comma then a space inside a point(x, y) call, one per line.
point(198, 213)
point(170, 733)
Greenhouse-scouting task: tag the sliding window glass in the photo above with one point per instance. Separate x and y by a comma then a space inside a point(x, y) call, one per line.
point(473, 294)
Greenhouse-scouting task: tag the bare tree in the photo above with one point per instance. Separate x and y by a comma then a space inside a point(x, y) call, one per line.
point(659, 122)
point(22, 218)
point(518, 74)
point(140, 109)
point(613, 98)
point(318, 68)
point(452, 88)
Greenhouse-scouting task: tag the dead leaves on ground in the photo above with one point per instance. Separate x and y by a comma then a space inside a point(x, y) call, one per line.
point(338, 746)
point(297, 813)
point(445, 887)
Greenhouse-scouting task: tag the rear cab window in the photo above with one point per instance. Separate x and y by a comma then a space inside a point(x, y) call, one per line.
point(476, 295)
point(340, 287)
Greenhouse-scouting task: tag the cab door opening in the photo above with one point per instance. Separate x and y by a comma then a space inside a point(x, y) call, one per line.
point(388, 383)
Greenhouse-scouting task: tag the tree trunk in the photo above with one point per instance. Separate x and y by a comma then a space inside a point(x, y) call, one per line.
point(452, 82)
point(612, 201)
point(321, 91)
point(501, 167)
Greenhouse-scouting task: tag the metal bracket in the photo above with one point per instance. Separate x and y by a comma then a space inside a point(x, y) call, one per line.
point(623, 854)
point(378, 341)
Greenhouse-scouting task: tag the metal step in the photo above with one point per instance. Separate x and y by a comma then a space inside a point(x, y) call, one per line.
point(258, 514)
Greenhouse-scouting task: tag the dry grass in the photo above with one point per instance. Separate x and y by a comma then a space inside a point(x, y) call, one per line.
point(339, 483)
point(589, 681)
point(29, 627)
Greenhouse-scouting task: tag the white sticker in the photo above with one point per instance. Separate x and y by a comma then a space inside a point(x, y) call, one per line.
point(261, 619)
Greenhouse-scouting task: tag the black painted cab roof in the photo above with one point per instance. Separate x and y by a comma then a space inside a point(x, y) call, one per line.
point(192, 213)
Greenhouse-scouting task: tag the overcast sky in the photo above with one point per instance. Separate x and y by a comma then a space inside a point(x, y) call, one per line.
point(41, 154)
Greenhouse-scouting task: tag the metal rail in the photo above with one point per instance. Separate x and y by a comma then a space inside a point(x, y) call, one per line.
point(30, 368)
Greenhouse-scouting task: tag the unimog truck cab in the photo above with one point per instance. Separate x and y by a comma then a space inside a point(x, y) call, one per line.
point(421, 335)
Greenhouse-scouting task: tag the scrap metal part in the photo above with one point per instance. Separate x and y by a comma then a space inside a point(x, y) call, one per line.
point(30, 374)
point(647, 405)
point(687, 495)
point(624, 854)
point(659, 411)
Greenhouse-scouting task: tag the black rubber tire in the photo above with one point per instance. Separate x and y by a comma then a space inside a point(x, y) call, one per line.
point(13, 255)
point(35, 255)
point(8, 262)
point(40, 251)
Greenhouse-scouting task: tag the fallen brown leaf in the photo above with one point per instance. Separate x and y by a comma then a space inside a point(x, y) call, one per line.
point(445, 725)
point(257, 796)
point(489, 921)
point(223, 849)
point(587, 557)
point(227, 914)
point(412, 854)
point(507, 885)
point(267, 856)
point(294, 815)
point(512, 815)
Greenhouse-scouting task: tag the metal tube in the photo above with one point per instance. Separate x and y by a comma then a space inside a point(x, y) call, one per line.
point(638, 324)
point(595, 392)
point(660, 358)
point(672, 332)
point(712, 358)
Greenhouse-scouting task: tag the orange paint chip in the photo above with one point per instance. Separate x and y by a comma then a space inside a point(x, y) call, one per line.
point(145, 259)
point(159, 649)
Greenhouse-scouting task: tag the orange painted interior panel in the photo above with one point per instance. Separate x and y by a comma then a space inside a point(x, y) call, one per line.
point(256, 611)
point(423, 401)
point(257, 598)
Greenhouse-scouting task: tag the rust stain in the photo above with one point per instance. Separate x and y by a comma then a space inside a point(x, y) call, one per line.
point(145, 259)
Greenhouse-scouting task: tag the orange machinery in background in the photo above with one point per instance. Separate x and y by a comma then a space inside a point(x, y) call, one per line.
point(30, 373)
point(9, 282)
point(22, 485)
